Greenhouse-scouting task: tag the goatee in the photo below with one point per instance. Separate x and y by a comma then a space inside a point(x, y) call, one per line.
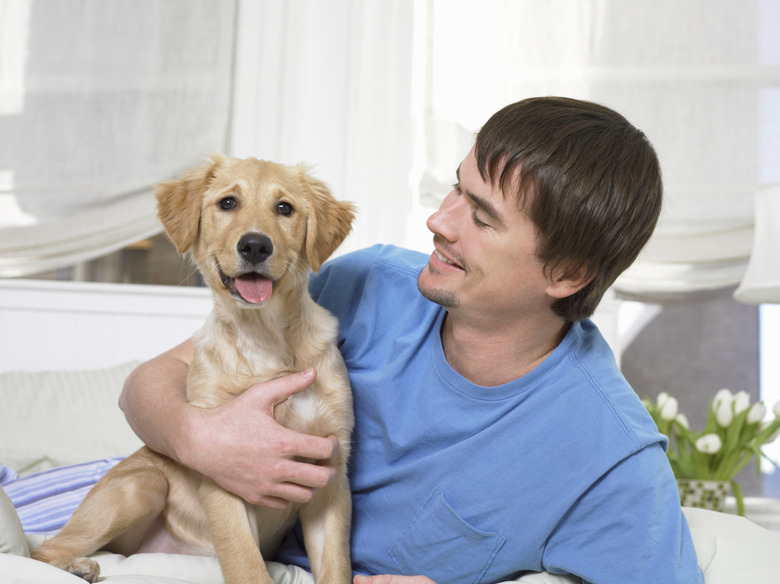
point(443, 298)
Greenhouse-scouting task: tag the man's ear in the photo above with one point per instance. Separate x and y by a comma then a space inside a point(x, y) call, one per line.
point(178, 202)
point(568, 281)
point(329, 221)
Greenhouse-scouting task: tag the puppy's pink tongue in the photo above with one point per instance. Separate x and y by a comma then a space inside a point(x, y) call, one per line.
point(254, 288)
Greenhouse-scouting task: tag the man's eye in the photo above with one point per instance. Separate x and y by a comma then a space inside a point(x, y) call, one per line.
point(227, 203)
point(477, 221)
point(284, 208)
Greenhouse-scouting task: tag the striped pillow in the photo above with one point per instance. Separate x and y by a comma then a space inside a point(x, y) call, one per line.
point(46, 500)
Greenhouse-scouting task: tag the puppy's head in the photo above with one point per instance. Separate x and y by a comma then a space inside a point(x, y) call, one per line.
point(252, 226)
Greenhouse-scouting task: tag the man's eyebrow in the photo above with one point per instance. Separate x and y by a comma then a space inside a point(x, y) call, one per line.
point(483, 204)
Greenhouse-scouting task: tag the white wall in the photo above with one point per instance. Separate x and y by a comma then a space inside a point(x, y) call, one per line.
point(48, 325)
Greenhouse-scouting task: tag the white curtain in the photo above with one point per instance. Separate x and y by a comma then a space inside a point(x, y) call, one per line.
point(330, 84)
point(700, 77)
point(98, 102)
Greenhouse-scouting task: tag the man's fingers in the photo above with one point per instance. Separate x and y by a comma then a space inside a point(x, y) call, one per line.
point(315, 476)
point(278, 390)
point(274, 502)
point(301, 482)
point(282, 495)
point(315, 447)
point(294, 444)
point(378, 579)
point(391, 579)
point(284, 465)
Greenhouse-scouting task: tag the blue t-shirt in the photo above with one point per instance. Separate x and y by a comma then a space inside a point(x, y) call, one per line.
point(561, 470)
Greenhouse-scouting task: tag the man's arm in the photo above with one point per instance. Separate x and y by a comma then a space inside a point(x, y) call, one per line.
point(628, 527)
point(239, 445)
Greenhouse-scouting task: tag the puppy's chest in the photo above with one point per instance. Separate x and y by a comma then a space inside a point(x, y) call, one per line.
point(252, 362)
point(264, 357)
point(223, 369)
point(303, 411)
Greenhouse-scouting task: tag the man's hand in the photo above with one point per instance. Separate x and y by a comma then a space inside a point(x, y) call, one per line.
point(392, 579)
point(241, 447)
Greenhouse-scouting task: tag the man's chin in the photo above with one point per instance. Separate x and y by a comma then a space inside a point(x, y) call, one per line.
point(443, 298)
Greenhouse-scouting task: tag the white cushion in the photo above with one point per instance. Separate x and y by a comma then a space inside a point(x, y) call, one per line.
point(732, 549)
point(12, 539)
point(57, 418)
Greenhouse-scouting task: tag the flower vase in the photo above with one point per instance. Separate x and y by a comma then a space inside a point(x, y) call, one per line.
point(703, 494)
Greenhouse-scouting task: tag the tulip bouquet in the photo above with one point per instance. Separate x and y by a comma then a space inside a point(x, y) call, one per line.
point(734, 433)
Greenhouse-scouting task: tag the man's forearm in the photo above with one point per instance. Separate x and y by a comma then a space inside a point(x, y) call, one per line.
point(239, 444)
point(154, 401)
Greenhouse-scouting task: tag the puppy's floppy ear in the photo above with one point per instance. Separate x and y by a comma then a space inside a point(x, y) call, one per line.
point(178, 202)
point(329, 221)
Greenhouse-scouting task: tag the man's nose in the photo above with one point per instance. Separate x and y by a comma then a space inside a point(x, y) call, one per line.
point(442, 221)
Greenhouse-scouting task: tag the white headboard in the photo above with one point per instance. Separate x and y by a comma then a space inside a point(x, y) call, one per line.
point(48, 325)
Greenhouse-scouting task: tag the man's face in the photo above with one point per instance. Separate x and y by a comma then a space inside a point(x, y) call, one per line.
point(484, 263)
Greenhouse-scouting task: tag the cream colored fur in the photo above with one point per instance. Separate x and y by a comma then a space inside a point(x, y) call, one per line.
point(207, 212)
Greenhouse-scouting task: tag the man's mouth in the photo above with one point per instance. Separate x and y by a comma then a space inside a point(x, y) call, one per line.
point(251, 287)
point(446, 259)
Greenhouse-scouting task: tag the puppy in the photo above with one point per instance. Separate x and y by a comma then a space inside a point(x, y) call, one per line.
point(254, 229)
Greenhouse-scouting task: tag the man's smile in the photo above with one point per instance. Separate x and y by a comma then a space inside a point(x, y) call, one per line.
point(443, 258)
point(442, 263)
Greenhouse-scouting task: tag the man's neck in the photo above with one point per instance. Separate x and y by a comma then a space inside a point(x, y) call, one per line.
point(490, 356)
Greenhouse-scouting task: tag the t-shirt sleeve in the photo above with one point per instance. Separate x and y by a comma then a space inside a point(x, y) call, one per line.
point(621, 531)
point(339, 284)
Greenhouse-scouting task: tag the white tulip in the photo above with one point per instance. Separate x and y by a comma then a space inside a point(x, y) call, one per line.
point(741, 402)
point(662, 399)
point(723, 395)
point(683, 421)
point(670, 409)
point(723, 413)
point(709, 444)
point(756, 413)
point(776, 410)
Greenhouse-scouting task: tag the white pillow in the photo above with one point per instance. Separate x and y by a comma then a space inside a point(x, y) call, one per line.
point(12, 539)
point(56, 418)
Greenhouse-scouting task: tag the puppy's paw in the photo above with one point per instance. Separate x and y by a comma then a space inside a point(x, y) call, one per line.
point(84, 568)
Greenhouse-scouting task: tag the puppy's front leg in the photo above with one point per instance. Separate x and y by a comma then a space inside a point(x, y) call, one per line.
point(326, 521)
point(235, 545)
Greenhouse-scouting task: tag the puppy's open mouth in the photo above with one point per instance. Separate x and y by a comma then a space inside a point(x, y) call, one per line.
point(252, 288)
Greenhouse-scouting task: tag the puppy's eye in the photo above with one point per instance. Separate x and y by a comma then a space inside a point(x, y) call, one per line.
point(284, 208)
point(228, 203)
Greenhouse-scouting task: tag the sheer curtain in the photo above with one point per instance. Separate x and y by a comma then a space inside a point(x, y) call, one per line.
point(701, 78)
point(330, 84)
point(98, 102)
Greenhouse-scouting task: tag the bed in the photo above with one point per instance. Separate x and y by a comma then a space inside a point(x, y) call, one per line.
point(65, 350)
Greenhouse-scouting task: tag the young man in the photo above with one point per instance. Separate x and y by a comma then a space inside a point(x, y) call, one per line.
point(494, 432)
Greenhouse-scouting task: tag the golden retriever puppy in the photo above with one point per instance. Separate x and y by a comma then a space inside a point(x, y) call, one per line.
point(254, 229)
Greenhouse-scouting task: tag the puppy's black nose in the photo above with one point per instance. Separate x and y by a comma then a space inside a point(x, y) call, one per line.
point(255, 247)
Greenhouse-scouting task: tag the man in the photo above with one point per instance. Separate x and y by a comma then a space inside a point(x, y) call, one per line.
point(494, 433)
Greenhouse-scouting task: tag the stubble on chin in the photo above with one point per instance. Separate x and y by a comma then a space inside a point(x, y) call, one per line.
point(443, 298)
